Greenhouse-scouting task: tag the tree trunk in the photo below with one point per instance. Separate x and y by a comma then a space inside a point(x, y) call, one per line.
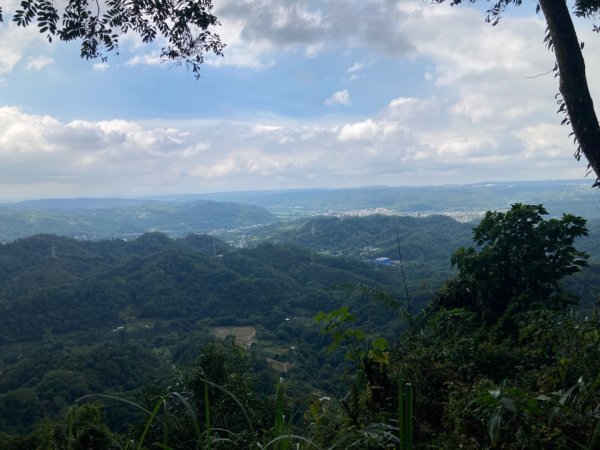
point(573, 83)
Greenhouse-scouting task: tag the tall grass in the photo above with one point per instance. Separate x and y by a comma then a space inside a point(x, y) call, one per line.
point(405, 415)
point(206, 437)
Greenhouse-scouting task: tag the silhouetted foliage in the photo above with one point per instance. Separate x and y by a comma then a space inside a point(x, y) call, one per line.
point(480, 384)
point(517, 263)
point(185, 25)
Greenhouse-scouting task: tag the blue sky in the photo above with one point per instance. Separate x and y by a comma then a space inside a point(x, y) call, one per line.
point(323, 93)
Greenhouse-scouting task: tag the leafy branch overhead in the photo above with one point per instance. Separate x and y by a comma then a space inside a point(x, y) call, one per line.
point(184, 25)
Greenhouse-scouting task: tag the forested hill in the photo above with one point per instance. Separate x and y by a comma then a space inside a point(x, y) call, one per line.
point(110, 218)
point(115, 316)
point(109, 316)
point(426, 245)
point(421, 240)
point(56, 284)
point(43, 261)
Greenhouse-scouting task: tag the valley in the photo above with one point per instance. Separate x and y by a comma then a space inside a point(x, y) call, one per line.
point(82, 314)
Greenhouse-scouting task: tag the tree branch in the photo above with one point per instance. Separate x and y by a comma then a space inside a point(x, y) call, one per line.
point(573, 83)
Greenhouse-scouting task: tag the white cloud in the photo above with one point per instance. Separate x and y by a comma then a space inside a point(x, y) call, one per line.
point(43, 156)
point(241, 51)
point(39, 62)
point(339, 98)
point(255, 30)
point(368, 130)
point(354, 71)
point(543, 137)
point(355, 67)
point(195, 150)
point(481, 118)
point(14, 43)
point(101, 67)
point(147, 59)
point(315, 49)
point(487, 70)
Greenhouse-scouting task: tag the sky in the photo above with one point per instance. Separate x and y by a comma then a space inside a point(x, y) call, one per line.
point(308, 94)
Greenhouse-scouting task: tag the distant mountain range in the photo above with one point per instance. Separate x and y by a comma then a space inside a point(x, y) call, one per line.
point(178, 215)
point(575, 196)
point(124, 218)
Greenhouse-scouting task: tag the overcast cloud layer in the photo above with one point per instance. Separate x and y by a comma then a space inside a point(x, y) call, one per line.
point(309, 94)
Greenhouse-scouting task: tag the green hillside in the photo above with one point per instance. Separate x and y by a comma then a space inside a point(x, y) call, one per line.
point(110, 316)
point(421, 240)
point(137, 319)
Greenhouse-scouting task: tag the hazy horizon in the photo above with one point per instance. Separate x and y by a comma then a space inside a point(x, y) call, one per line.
point(159, 196)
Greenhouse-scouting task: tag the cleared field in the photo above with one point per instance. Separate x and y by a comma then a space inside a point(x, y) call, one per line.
point(243, 335)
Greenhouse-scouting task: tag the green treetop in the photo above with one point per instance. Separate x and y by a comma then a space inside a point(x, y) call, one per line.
point(517, 262)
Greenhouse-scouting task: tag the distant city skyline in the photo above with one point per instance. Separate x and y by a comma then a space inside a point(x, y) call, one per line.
point(315, 94)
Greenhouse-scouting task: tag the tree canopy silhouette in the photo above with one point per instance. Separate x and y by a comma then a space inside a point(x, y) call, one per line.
point(183, 25)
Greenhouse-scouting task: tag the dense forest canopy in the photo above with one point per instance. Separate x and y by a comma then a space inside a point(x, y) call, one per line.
point(140, 320)
point(112, 316)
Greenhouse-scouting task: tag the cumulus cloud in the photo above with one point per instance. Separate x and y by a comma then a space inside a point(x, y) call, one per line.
point(368, 130)
point(101, 67)
point(281, 22)
point(489, 69)
point(256, 29)
point(355, 67)
point(146, 59)
point(484, 75)
point(478, 115)
point(241, 51)
point(45, 155)
point(14, 42)
point(39, 62)
point(41, 155)
point(339, 98)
